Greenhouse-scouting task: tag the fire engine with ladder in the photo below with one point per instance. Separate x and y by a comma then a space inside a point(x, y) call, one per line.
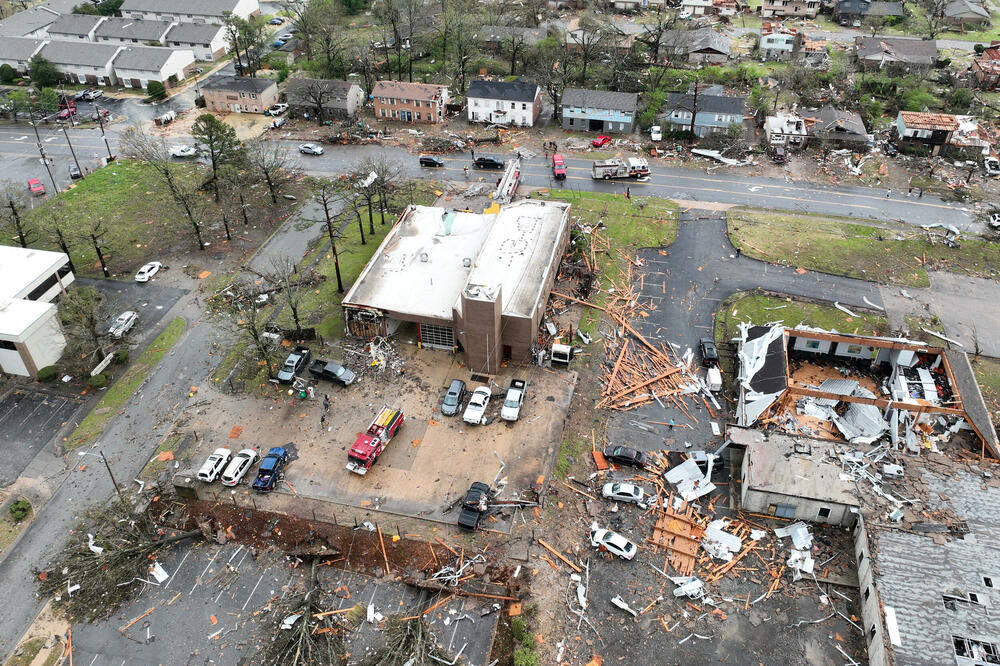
point(370, 445)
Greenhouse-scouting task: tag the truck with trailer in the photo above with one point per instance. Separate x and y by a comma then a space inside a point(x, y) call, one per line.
point(631, 167)
point(370, 444)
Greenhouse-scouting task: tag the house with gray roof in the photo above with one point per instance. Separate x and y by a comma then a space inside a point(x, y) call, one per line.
point(325, 98)
point(29, 23)
point(239, 94)
point(962, 12)
point(712, 110)
point(504, 102)
point(83, 62)
point(599, 110)
point(897, 54)
point(75, 27)
point(136, 66)
point(703, 46)
point(17, 51)
point(189, 11)
point(835, 126)
point(207, 40)
point(117, 30)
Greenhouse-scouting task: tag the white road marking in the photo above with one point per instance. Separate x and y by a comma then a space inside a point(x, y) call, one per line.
point(205, 571)
point(247, 602)
point(177, 569)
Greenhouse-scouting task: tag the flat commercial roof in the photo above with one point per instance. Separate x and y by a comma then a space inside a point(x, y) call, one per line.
point(18, 315)
point(20, 267)
point(432, 254)
point(776, 467)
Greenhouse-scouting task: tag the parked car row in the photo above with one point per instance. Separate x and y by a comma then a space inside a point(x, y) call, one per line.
point(231, 469)
point(479, 401)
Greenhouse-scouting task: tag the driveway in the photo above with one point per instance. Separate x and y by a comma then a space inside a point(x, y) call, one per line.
point(698, 272)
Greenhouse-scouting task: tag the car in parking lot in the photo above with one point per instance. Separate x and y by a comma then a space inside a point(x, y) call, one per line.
point(123, 324)
point(66, 113)
point(74, 172)
point(269, 472)
point(92, 94)
point(453, 398)
point(148, 271)
point(488, 162)
point(613, 542)
point(82, 94)
point(310, 149)
point(431, 161)
point(183, 151)
point(474, 505)
point(295, 363)
point(239, 466)
point(709, 354)
point(277, 20)
point(624, 492)
point(216, 462)
point(35, 187)
point(277, 109)
point(99, 114)
point(285, 36)
point(476, 409)
point(600, 141)
point(277, 44)
point(624, 455)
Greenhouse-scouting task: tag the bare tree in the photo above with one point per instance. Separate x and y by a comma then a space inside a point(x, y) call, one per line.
point(272, 162)
point(466, 31)
point(663, 21)
point(389, 172)
point(94, 231)
point(13, 205)
point(591, 39)
point(364, 180)
point(314, 93)
point(136, 144)
point(249, 321)
point(284, 275)
point(82, 320)
point(934, 19)
point(329, 39)
point(364, 62)
point(53, 221)
point(327, 194)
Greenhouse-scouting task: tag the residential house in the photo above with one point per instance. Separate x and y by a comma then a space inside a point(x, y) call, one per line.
point(116, 30)
point(17, 51)
point(696, 7)
point(836, 127)
point(239, 94)
point(599, 110)
point(933, 130)
point(790, 8)
point(986, 67)
point(966, 12)
point(189, 11)
point(777, 42)
point(785, 129)
point(495, 37)
point(898, 54)
point(136, 66)
point(207, 40)
point(853, 12)
point(712, 110)
point(636, 5)
point(504, 102)
point(75, 27)
point(341, 99)
point(83, 62)
point(708, 47)
point(621, 34)
point(291, 51)
point(29, 23)
point(410, 102)
point(813, 52)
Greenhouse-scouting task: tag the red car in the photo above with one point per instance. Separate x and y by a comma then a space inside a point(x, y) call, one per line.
point(600, 141)
point(35, 187)
point(558, 167)
point(66, 113)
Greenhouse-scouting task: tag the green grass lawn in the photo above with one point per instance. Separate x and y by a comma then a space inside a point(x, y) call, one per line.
point(176, 444)
point(629, 228)
point(987, 372)
point(853, 248)
point(123, 389)
point(9, 528)
point(761, 308)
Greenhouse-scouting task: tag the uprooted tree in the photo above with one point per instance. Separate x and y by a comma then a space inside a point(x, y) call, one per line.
point(103, 565)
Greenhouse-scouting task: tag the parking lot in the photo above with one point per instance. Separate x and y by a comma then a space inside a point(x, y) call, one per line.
point(29, 419)
point(150, 300)
point(431, 462)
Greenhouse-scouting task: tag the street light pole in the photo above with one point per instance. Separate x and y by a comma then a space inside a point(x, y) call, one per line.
point(117, 489)
point(72, 152)
point(100, 120)
point(41, 152)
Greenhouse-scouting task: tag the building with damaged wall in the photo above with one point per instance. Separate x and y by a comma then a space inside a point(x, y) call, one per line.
point(469, 282)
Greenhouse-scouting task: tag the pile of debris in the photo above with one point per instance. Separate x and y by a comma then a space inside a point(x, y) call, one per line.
point(378, 358)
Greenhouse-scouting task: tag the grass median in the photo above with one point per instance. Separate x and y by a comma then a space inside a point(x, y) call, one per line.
point(123, 389)
point(631, 224)
point(864, 249)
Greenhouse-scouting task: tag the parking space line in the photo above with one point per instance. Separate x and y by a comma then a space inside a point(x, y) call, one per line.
point(247, 602)
point(93, 660)
point(198, 579)
point(188, 552)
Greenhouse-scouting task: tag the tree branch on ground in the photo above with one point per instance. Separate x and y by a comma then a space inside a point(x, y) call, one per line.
point(83, 323)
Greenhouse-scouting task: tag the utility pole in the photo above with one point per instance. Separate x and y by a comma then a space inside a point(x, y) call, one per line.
point(100, 120)
point(115, 483)
point(694, 107)
point(72, 152)
point(41, 152)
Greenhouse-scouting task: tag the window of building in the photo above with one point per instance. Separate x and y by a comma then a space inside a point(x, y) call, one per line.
point(418, 115)
point(253, 95)
point(513, 106)
point(980, 651)
point(781, 510)
point(382, 112)
point(824, 512)
point(872, 631)
point(812, 344)
point(475, 102)
point(524, 106)
point(243, 94)
point(987, 581)
point(854, 349)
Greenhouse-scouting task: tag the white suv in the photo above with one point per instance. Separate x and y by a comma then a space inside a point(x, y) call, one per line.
point(239, 466)
point(123, 324)
point(215, 464)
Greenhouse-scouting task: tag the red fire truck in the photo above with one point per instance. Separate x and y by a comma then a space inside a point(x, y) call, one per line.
point(368, 446)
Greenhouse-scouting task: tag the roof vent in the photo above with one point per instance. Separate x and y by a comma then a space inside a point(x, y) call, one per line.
point(424, 257)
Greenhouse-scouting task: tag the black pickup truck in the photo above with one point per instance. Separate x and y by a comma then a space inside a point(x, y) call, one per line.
point(334, 372)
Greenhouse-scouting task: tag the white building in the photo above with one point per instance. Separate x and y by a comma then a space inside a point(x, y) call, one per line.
point(785, 129)
point(17, 51)
point(30, 335)
point(75, 27)
point(136, 66)
point(207, 40)
point(83, 62)
point(131, 31)
point(516, 103)
point(189, 11)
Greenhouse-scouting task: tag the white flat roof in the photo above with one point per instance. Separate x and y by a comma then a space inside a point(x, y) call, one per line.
point(18, 315)
point(420, 268)
point(19, 267)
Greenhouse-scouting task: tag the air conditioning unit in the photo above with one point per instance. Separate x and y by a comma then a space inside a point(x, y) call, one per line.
point(892, 471)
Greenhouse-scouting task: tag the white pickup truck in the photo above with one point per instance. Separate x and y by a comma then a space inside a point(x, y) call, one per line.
point(511, 409)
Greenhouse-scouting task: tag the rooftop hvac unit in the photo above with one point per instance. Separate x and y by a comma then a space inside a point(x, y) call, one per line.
point(892, 471)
